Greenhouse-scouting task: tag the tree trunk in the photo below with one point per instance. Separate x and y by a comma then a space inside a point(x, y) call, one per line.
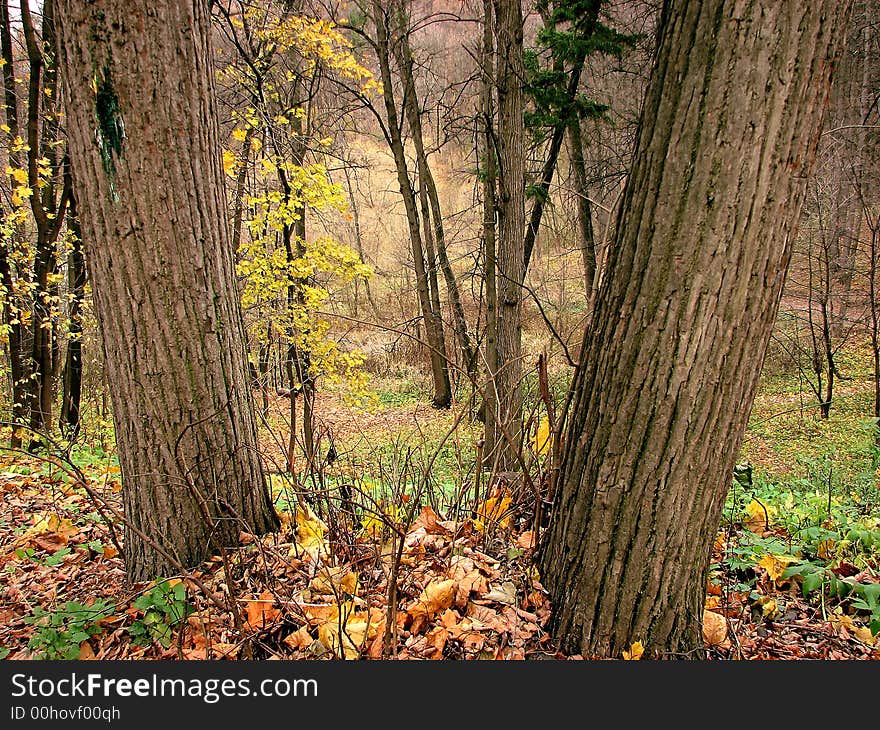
point(21, 384)
point(671, 358)
point(433, 331)
point(145, 150)
point(42, 140)
point(511, 216)
point(73, 370)
point(487, 112)
point(584, 209)
point(431, 210)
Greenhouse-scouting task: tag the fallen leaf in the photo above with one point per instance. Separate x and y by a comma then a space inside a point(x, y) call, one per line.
point(714, 628)
point(436, 596)
point(335, 581)
point(504, 593)
point(310, 531)
point(355, 627)
point(758, 519)
point(429, 520)
point(494, 511)
point(825, 549)
point(437, 638)
point(299, 639)
point(635, 652)
point(769, 607)
point(775, 565)
point(260, 612)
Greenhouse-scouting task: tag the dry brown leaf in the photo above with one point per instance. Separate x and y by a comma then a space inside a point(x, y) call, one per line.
point(335, 581)
point(502, 593)
point(436, 596)
point(429, 520)
point(223, 650)
point(437, 638)
point(714, 628)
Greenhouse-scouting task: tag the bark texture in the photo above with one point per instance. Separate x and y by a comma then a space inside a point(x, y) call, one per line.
point(507, 376)
point(671, 358)
point(146, 160)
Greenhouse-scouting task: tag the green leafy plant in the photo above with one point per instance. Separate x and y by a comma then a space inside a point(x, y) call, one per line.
point(59, 634)
point(52, 560)
point(868, 599)
point(164, 607)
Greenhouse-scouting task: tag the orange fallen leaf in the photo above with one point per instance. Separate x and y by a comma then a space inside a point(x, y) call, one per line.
point(437, 638)
point(260, 612)
point(299, 639)
point(437, 596)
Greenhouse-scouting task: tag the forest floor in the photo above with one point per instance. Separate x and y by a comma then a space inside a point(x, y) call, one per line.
point(795, 571)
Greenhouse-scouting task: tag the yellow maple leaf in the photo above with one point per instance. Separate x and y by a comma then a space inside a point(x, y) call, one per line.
point(20, 176)
point(769, 607)
point(494, 510)
point(775, 565)
point(438, 595)
point(757, 518)
point(335, 580)
point(635, 652)
point(354, 627)
point(310, 531)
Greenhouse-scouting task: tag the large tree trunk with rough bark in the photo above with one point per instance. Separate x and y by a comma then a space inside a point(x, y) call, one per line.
point(145, 149)
point(671, 359)
point(507, 376)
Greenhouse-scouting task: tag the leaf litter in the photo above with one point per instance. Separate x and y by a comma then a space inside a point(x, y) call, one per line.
point(459, 593)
